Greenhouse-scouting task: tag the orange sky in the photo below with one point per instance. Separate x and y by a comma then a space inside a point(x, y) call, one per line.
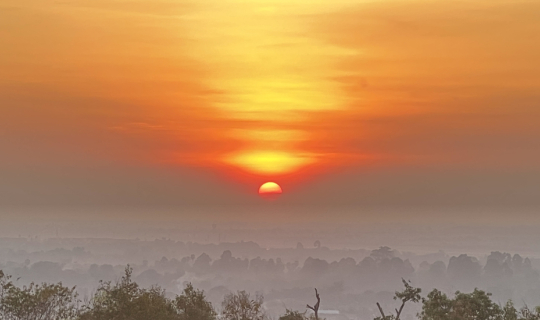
point(270, 89)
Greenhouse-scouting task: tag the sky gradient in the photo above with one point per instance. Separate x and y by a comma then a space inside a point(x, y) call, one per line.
point(340, 102)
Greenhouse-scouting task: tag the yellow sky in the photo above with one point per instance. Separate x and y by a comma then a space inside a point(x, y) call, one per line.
point(271, 87)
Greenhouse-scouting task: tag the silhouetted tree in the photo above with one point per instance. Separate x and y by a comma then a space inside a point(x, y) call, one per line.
point(125, 300)
point(527, 314)
point(240, 306)
point(293, 315)
point(315, 308)
point(475, 306)
point(37, 301)
point(464, 269)
point(192, 305)
point(409, 294)
point(315, 266)
point(382, 253)
point(202, 263)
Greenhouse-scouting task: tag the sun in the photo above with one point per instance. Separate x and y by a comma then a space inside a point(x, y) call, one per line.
point(270, 188)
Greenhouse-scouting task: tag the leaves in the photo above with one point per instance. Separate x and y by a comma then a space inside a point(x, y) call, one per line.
point(192, 305)
point(475, 306)
point(125, 300)
point(293, 315)
point(409, 294)
point(240, 306)
point(37, 301)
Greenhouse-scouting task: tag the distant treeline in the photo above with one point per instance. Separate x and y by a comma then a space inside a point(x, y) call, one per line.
point(126, 300)
point(352, 286)
point(381, 264)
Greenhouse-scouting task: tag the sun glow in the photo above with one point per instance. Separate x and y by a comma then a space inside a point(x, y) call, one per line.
point(281, 136)
point(271, 162)
point(269, 89)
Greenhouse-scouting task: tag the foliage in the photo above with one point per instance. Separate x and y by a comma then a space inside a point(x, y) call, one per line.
point(476, 305)
point(240, 306)
point(472, 306)
point(37, 301)
point(527, 314)
point(436, 306)
point(125, 300)
point(297, 315)
point(408, 294)
point(293, 315)
point(509, 311)
point(5, 284)
point(192, 305)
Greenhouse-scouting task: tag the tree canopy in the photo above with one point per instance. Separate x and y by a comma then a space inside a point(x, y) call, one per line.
point(126, 300)
point(476, 305)
point(242, 306)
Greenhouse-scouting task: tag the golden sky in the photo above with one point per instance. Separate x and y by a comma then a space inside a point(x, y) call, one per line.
point(270, 89)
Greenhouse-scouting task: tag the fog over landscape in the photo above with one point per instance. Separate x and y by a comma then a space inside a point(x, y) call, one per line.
point(353, 265)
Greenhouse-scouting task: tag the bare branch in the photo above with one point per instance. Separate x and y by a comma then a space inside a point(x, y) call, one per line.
point(315, 308)
point(398, 313)
point(382, 312)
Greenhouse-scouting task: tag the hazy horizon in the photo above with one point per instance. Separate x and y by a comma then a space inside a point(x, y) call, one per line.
point(420, 229)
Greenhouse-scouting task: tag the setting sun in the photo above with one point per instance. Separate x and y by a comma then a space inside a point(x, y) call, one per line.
point(270, 188)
